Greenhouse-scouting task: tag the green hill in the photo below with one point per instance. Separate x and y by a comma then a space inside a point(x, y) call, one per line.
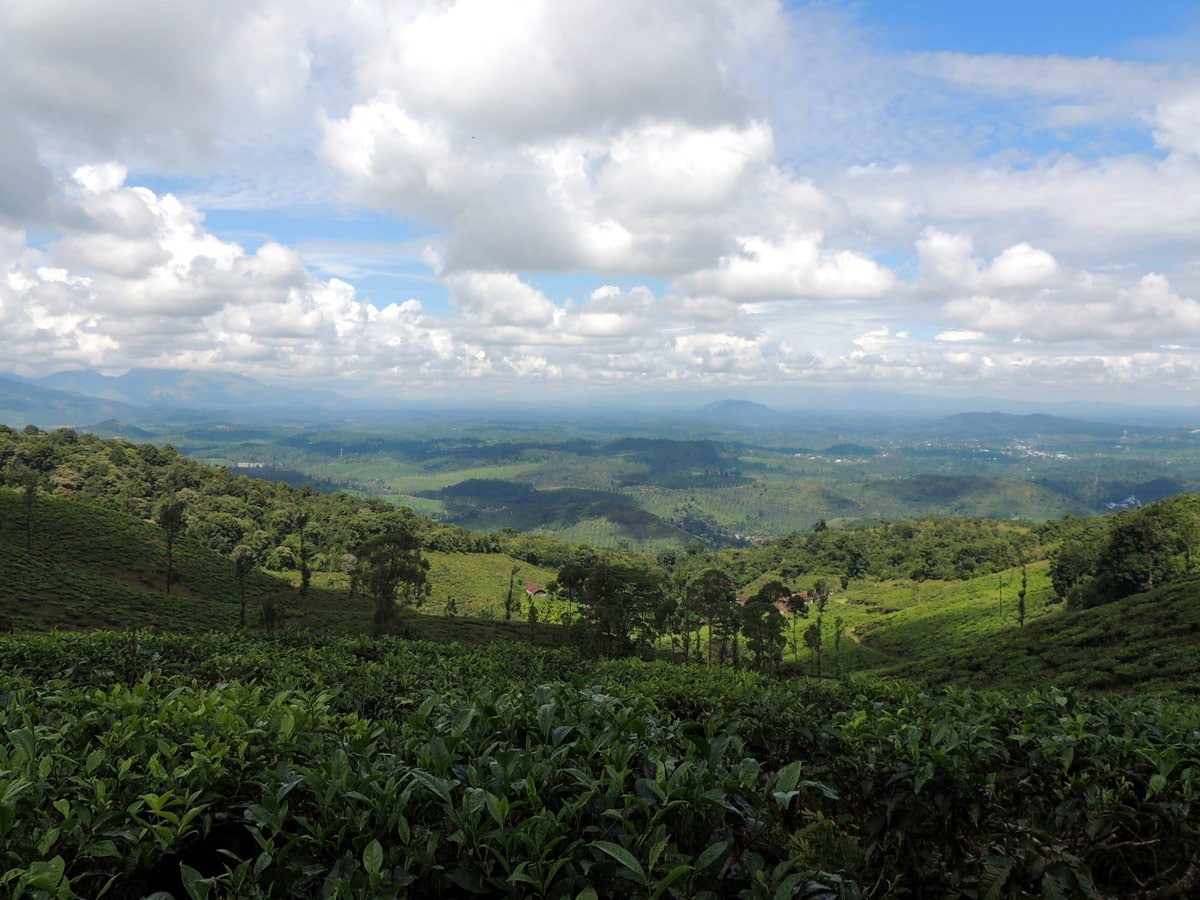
point(96, 568)
point(1145, 643)
point(91, 567)
point(932, 599)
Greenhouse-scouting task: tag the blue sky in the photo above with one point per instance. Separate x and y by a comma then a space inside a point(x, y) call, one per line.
point(524, 198)
point(1116, 29)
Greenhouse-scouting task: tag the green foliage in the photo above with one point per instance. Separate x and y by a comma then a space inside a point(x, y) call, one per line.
point(169, 514)
point(231, 766)
point(763, 624)
point(617, 598)
point(1126, 554)
point(390, 569)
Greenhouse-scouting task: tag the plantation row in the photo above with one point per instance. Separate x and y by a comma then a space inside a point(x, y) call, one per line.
point(228, 765)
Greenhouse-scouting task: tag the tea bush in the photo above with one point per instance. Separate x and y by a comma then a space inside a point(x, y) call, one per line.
point(228, 765)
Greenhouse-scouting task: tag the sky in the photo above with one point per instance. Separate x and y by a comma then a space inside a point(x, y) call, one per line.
point(517, 199)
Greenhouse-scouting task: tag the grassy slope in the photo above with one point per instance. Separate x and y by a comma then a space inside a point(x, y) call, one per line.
point(94, 568)
point(956, 633)
point(1146, 642)
point(91, 567)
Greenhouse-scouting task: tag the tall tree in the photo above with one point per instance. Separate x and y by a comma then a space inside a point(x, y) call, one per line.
point(762, 623)
point(508, 601)
point(391, 571)
point(1139, 555)
point(1073, 563)
point(26, 478)
point(815, 634)
point(1021, 594)
point(617, 598)
point(709, 596)
point(169, 514)
point(837, 646)
point(243, 565)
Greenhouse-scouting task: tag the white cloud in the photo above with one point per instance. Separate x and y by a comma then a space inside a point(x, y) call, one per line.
point(1178, 121)
point(488, 300)
point(763, 167)
point(1065, 91)
point(797, 266)
point(950, 262)
point(958, 336)
point(1092, 308)
point(657, 196)
point(532, 69)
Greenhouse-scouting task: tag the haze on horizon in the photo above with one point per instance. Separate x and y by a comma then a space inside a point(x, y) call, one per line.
point(524, 198)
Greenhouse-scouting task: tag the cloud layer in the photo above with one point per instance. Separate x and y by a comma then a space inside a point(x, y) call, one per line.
point(608, 195)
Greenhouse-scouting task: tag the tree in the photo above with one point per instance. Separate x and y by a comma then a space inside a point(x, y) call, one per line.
point(532, 618)
point(169, 514)
point(293, 519)
point(709, 596)
point(762, 623)
point(26, 478)
point(837, 646)
point(243, 565)
point(1187, 525)
point(1021, 594)
point(391, 571)
point(781, 597)
point(508, 601)
point(813, 637)
point(1138, 556)
point(617, 598)
point(1073, 563)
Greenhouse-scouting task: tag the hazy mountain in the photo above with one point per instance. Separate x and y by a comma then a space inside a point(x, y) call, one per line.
point(739, 412)
point(23, 403)
point(155, 396)
point(189, 390)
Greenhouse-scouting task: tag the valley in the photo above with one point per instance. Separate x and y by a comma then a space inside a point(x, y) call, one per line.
point(662, 485)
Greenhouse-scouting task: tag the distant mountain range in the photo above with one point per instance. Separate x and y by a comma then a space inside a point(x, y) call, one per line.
point(24, 403)
point(181, 389)
point(150, 396)
point(81, 398)
point(744, 412)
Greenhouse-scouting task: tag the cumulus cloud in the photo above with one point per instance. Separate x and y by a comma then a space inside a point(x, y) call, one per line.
point(949, 261)
point(159, 81)
point(655, 196)
point(489, 300)
point(538, 68)
point(797, 203)
point(157, 288)
point(798, 266)
point(1144, 313)
point(1178, 121)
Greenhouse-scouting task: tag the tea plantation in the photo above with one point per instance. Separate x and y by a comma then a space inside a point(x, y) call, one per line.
point(229, 765)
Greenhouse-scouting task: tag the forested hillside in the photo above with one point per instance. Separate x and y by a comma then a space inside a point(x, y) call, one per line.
point(105, 533)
